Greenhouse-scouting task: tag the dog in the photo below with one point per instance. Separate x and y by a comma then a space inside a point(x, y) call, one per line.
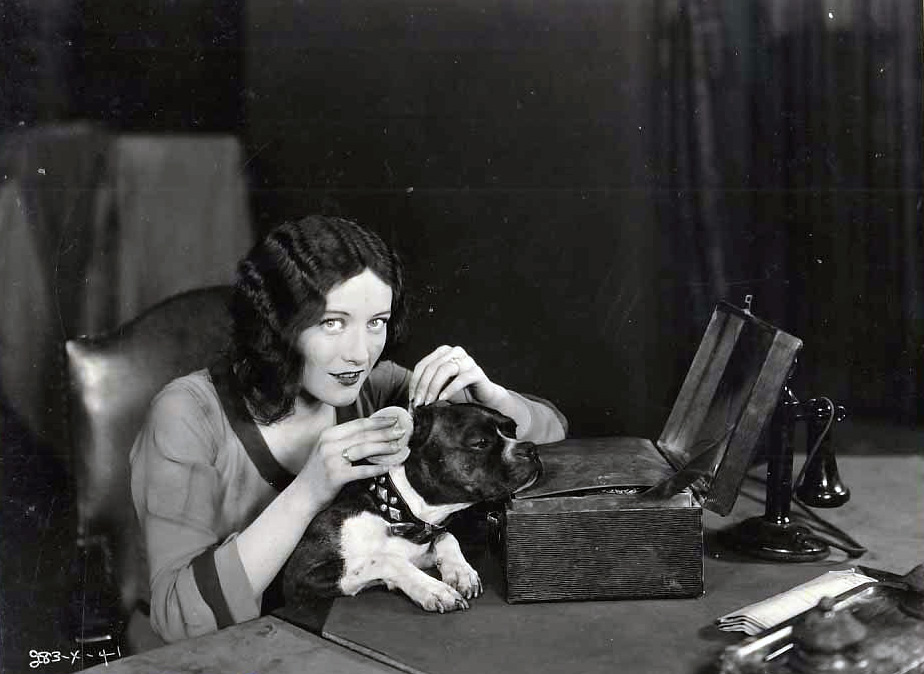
point(387, 530)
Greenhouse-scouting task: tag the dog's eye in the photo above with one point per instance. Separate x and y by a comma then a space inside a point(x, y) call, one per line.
point(482, 443)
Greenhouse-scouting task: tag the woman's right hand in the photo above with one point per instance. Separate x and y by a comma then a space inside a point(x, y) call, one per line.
point(267, 542)
point(331, 463)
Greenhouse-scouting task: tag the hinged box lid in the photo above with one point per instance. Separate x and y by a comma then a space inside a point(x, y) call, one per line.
point(723, 407)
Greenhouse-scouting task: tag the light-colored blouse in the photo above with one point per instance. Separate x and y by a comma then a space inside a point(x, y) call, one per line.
point(201, 473)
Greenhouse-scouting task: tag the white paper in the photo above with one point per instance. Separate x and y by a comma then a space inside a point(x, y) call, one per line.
point(763, 615)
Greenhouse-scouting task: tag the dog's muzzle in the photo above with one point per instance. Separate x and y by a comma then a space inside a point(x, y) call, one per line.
point(520, 455)
point(526, 450)
point(518, 450)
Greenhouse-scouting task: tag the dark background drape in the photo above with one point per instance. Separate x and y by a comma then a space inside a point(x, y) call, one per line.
point(794, 169)
point(573, 185)
point(576, 187)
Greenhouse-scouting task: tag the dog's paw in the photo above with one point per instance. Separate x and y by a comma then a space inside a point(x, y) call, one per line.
point(461, 576)
point(434, 595)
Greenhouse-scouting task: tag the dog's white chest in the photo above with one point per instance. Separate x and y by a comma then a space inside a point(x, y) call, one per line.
point(370, 551)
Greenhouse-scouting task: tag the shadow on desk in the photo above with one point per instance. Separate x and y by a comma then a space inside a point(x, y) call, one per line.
point(310, 616)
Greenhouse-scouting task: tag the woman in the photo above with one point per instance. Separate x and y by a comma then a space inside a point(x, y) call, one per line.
point(233, 463)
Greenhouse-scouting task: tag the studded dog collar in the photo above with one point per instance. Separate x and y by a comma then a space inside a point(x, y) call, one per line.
point(401, 521)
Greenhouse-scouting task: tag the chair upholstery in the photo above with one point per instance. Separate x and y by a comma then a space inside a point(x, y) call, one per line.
point(112, 379)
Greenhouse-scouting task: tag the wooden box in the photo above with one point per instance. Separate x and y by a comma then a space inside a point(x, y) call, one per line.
point(621, 517)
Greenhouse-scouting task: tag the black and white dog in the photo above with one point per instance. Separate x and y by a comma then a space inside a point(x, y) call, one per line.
point(386, 530)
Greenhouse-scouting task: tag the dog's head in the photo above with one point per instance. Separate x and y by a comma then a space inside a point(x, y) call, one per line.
point(467, 453)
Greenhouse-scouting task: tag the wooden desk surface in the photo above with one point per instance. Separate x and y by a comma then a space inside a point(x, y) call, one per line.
point(263, 646)
point(662, 636)
point(381, 630)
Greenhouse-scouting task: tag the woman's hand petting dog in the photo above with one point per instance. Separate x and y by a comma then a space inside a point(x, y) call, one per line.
point(447, 372)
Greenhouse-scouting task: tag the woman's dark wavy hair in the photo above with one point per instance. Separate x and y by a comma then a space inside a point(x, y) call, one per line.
point(281, 288)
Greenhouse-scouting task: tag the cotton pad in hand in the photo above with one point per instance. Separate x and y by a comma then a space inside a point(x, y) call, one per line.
point(407, 425)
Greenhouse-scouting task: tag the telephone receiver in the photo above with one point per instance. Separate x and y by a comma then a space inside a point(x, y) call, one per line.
point(819, 484)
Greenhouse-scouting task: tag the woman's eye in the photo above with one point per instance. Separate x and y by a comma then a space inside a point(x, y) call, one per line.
point(482, 443)
point(378, 324)
point(332, 324)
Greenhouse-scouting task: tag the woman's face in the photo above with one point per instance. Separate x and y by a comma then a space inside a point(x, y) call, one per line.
point(341, 349)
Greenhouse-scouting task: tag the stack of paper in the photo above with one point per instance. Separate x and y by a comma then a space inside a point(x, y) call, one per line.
point(768, 613)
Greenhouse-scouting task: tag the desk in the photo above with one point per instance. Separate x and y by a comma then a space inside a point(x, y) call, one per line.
point(267, 645)
point(635, 636)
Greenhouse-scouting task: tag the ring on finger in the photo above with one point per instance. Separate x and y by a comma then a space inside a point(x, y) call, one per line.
point(346, 455)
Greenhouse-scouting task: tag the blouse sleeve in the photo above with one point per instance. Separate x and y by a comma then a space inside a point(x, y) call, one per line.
point(547, 423)
point(198, 584)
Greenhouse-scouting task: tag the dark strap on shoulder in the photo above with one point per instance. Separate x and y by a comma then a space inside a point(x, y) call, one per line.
point(245, 428)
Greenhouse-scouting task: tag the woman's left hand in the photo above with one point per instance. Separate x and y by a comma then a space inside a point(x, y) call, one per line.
point(449, 370)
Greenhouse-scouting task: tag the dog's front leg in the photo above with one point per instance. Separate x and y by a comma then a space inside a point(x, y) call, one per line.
point(454, 568)
point(395, 571)
point(372, 556)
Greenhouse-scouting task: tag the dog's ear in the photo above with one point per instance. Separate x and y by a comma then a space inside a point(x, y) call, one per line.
point(423, 422)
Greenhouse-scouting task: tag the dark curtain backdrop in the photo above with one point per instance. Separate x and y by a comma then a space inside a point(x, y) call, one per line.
point(791, 149)
point(575, 184)
point(132, 65)
point(503, 149)
point(576, 187)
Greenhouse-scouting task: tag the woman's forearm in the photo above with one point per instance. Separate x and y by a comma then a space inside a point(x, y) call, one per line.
point(267, 543)
point(535, 422)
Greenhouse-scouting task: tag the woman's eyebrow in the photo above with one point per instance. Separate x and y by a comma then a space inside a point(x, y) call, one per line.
point(343, 312)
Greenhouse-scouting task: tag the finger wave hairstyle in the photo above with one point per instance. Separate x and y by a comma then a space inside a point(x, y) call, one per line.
point(280, 291)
